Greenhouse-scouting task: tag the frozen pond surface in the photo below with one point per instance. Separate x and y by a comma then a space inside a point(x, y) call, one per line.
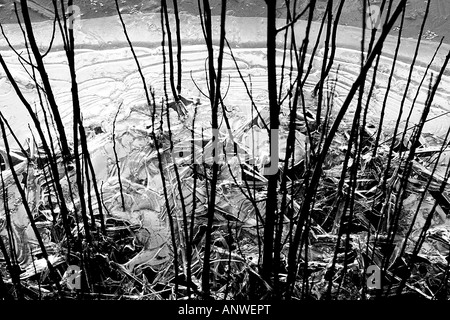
point(107, 77)
point(107, 74)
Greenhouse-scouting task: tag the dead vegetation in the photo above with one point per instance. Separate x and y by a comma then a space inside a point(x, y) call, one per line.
point(184, 203)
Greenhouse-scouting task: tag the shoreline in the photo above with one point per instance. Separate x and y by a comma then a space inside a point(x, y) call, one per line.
point(145, 31)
